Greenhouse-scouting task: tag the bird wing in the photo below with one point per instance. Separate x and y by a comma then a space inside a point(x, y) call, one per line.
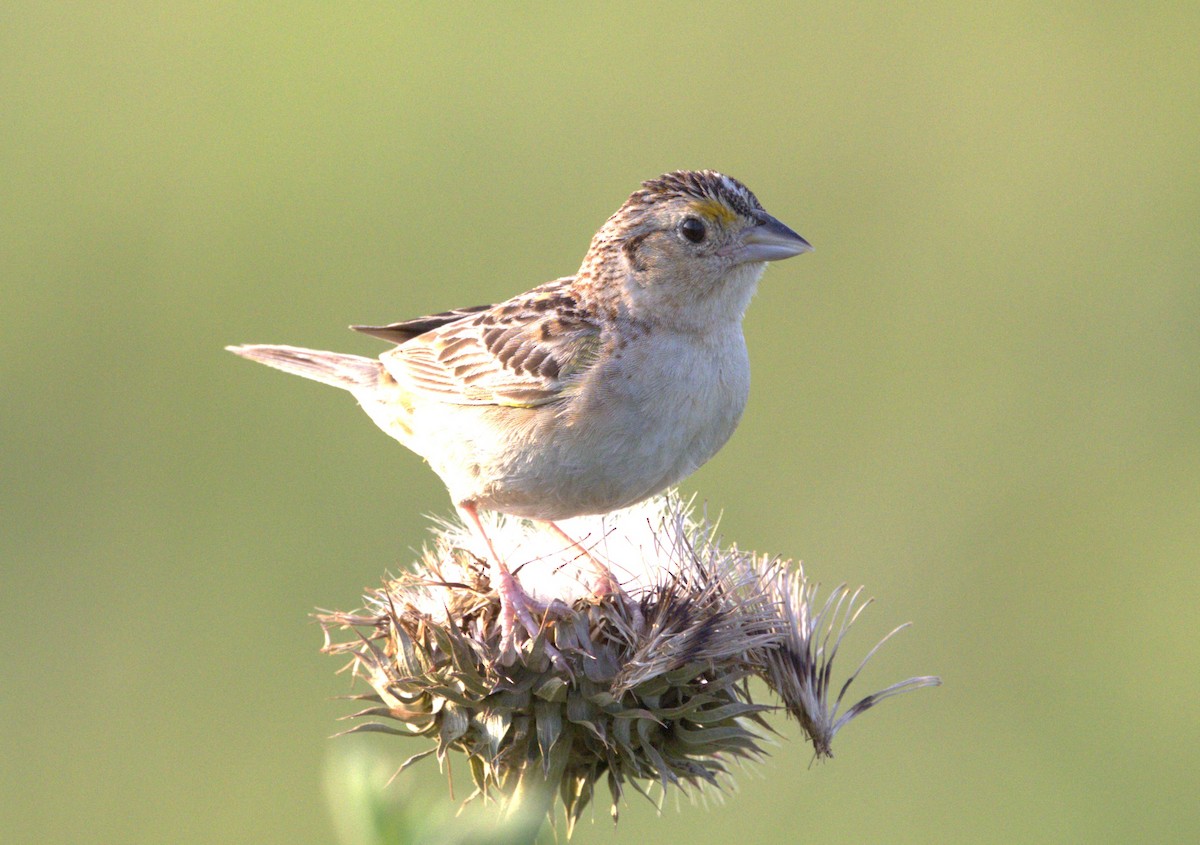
point(526, 352)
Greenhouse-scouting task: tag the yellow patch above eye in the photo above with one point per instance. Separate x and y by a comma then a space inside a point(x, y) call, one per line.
point(714, 211)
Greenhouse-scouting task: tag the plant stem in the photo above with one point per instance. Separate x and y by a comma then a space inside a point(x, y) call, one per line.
point(531, 802)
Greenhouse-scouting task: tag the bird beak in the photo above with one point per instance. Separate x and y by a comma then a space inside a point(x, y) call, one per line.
point(770, 240)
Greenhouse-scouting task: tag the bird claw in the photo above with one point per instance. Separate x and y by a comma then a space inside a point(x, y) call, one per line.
point(516, 612)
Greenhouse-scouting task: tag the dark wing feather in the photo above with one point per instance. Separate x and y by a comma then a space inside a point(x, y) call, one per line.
point(527, 352)
point(406, 330)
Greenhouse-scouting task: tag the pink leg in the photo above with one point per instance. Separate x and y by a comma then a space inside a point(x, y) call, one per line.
point(515, 603)
point(608, 585)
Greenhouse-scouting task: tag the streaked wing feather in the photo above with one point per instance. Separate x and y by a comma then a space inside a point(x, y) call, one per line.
point(527, 352)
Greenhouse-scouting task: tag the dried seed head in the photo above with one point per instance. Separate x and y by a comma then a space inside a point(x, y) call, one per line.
point(654, 687)
point(799, 667)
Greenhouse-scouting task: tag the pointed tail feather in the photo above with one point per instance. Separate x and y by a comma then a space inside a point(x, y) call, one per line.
point(349, 372)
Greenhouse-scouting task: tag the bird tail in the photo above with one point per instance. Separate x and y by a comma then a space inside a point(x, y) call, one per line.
point(349, 372)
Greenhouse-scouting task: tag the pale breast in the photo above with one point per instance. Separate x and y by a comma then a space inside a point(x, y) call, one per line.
point(647, 417)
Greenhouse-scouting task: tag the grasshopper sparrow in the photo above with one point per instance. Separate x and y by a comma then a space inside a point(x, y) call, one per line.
point(588, 393)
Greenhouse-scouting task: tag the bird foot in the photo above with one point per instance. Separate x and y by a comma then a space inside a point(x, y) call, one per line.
point(607, 585)
point(516, 612)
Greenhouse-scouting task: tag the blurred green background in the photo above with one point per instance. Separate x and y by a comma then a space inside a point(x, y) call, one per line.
point(979, 397)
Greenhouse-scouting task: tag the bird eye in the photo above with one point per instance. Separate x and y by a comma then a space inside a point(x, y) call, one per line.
point(692, 229)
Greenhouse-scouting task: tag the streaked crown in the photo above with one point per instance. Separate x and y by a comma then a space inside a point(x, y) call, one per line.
point(712, 196)
point(712, 191)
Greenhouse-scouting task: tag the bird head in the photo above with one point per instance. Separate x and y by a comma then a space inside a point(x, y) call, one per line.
point(689, 245)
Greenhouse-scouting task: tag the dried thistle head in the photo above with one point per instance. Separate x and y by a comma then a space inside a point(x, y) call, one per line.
point(654, 687)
